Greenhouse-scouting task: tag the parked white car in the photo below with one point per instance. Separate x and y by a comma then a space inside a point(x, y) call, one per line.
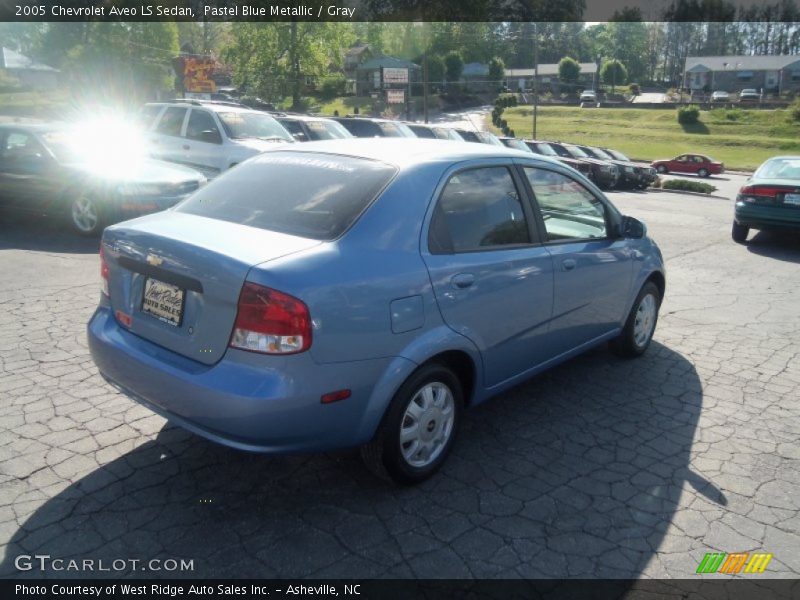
point(589, 96)
point(749, 94)
point(720, 96)
point(207, 136)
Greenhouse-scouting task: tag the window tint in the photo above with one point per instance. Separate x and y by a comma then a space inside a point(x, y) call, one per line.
point(361, 128)
point(569, 210)
point(201, 127)
point(171, 121)
point(307, 194)
point(478, 209)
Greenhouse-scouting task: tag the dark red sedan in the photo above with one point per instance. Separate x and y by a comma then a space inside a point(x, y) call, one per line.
point(696, 164)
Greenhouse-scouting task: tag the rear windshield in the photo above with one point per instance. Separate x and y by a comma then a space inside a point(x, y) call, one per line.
point(307, 194)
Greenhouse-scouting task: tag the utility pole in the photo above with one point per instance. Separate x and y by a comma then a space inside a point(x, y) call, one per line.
point(425, 85)
point(535, 76)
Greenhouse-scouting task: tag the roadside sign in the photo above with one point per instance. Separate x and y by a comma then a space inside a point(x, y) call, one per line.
point(394, 75)
point(396, 96)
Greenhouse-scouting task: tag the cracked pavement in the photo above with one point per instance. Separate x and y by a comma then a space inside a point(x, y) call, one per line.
point(603, 467)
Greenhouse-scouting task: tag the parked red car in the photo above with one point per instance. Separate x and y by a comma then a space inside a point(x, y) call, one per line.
point(689, 163)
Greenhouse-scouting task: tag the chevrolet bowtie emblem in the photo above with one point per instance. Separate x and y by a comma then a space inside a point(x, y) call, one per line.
point(154, 260)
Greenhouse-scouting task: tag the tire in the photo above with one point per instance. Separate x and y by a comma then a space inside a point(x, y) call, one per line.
point(661, 169)
point(703, 173)
point(635, 339)
point(84, 214)
point(739, 233)
point(396, 450)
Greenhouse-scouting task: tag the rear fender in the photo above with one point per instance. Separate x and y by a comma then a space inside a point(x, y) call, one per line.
point(421, 350)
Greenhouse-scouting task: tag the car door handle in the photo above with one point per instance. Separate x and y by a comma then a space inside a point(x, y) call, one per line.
point(462, 280)
point(568, 264)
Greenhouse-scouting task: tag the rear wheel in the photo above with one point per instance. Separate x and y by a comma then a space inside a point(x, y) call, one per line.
point(703, 173)
point(739, 233)
point(661, 169)
point(85, 215)
point(638, 331)
point(419, 428)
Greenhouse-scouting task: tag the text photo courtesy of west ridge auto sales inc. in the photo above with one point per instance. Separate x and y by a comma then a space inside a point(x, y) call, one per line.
point(393, 301)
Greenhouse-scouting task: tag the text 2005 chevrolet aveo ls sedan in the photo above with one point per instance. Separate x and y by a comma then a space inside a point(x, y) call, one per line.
point(364, 292)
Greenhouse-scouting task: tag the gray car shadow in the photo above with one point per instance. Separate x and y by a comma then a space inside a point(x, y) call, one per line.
point(576, 473)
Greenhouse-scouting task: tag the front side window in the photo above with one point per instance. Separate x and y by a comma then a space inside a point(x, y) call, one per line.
point(171, 121)
point(569, 210)
point(202, 128)
point(479, 209)
point(295, 128)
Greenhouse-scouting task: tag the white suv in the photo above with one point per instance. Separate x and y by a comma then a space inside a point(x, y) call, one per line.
point(210, 137)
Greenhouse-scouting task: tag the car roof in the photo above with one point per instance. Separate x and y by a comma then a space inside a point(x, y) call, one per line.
point(408, 152)
point(212, 106)
point(34, 127)
point(290, 117)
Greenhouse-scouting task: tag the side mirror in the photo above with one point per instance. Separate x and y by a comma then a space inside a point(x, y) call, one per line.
point(632, 228)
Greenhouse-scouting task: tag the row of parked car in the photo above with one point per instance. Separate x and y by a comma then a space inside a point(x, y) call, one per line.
point(182, 132)
point(51, 169)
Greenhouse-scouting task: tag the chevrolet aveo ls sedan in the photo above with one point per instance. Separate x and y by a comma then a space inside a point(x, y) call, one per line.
point(365, 292)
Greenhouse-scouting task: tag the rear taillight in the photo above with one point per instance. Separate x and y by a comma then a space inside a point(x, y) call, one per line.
point(754, 193)
point(103, 271)
point(270, 322)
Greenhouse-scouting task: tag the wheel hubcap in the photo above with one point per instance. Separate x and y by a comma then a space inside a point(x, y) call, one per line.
point(645, 320)
point(84, 214)
point(427, 424)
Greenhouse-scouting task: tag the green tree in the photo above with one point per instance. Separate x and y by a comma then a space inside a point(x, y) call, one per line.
point(453, 66)
point(569, 69)
point(497, 71)
point(614, 73)
point(273, 60)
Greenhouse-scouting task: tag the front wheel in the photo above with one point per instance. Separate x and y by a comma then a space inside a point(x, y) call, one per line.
point(739, 233)
point(703, 173)
point(84, 215)
point(419, 428)
point(661, 169)
point(641, 323)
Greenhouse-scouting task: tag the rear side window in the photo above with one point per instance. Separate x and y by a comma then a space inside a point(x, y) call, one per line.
point(361, 128)
point(422, 132)
point(311, 195)
point(171, 121)
point(479, 209)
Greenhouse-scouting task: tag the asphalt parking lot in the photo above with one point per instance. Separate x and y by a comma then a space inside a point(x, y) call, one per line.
point(602, 467)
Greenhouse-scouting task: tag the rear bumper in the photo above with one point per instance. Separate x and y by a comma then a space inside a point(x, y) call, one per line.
point(763, 217)
point(246, 401)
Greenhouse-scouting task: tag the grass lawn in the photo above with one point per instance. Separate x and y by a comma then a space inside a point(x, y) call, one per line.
point(742, 139)
point(346, 105)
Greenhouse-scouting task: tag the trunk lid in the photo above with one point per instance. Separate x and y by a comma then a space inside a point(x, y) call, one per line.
point(192, 269)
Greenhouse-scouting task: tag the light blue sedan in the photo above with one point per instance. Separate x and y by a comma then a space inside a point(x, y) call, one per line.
point(365, 292)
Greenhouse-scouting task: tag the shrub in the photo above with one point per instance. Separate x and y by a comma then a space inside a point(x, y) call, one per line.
point(332, 87)
point(794, 110)
point(688, 186)
point(688, 115)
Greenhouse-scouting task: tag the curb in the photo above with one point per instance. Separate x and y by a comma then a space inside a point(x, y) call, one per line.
point(684, 192)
